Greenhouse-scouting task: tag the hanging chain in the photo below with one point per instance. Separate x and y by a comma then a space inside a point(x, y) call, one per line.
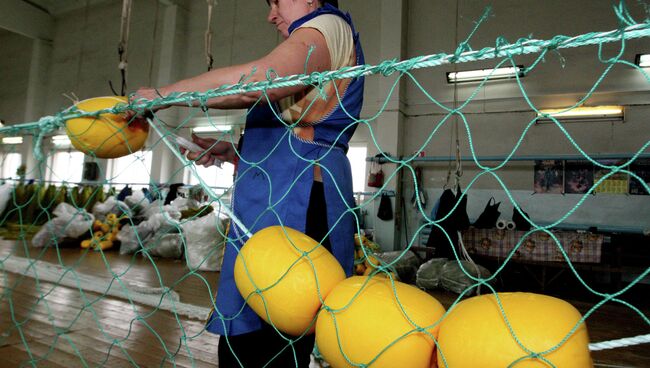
point(455, 130)
point(208, 35)
point(122, 47)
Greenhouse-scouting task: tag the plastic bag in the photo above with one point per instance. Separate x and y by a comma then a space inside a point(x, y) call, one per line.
point(164, 218)
point(151, 209)
point(165, 243)
point(143, 235)
point(131, 236)
point(5, 196)
point(453, 278)
point(181, 203)
point(428, 275)
point(136, 200)
point(406, 267)
point(150, 218)
point(204, 242)
point(110, 205)
point(69, 222)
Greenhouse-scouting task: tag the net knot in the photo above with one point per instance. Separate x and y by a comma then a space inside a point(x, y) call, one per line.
point(535, 355)
point(499, 43)
point(317, 80)
point(271, 74)
point(462, 47)
point(387, 67)
point(50, 123)
point(203, 101)
point(555, 42)
point(407, 65)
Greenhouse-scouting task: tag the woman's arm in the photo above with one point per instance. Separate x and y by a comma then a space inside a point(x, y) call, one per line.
point(288, 58)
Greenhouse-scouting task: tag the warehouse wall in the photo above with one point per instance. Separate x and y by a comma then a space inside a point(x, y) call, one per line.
point(166, 43)
point(14, 67)
point(498, 114)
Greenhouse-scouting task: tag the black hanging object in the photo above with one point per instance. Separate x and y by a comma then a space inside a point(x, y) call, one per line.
point(519, 220)
point(451, 225)
point(490, 215)
point(173, 192)
point(125, 192)
point(90, 171)
point(385, 211)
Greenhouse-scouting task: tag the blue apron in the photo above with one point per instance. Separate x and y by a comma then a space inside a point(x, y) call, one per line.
point(273, 183)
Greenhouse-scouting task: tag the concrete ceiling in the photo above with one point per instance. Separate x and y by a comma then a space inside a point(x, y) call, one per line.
point(35, 18)
point(27, 19)
point(58, 7)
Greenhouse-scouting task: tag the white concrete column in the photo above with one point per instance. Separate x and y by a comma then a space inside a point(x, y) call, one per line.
point(165, 166)
point(389, 125)
point(35, 95)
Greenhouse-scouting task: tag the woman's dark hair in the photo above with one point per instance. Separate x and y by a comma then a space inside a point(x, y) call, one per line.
point(334, 3)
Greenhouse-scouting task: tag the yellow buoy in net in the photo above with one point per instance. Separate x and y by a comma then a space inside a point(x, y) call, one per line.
point(475, 334)
point(107, 135)
point(373, 321)
point(284, 275)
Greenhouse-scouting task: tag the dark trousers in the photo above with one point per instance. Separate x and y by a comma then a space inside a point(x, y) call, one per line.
point(256, 349)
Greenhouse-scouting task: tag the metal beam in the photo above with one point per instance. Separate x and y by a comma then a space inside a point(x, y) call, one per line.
point(20, 17)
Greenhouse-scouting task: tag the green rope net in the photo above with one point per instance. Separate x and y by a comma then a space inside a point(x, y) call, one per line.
point(43, 220)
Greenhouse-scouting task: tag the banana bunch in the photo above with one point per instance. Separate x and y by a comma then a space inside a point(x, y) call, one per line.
point(104, 233)
point(86, 196)
point(364, 260)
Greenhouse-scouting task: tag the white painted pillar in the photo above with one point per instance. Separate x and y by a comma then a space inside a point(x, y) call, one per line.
point(37, 79)
point(389, 125)
point(165, 166)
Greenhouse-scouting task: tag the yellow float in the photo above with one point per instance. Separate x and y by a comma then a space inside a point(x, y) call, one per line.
point(107, 135)
point(373, 321)
point(475, 334)
point(284, 275)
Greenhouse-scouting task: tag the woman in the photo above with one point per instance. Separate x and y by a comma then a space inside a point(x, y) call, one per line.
point(276, 180)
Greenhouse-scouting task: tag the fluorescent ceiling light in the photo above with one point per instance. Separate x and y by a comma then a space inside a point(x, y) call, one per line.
point(12, 140)
point(596, 113)
point(212, 129)
point(481, 74)
point(61, 140)
point(643, 60)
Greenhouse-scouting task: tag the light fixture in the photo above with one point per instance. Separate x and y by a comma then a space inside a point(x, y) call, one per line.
point(60, 140)
point(12, 140)
point(218, 123)
point(212, 129)
point(643, 60)
point(577, 114)
point(489, 74)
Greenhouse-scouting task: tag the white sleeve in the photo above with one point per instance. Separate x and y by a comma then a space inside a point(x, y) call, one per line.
point(338, 35)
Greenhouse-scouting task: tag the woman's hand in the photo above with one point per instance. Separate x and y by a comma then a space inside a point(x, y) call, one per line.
point(214, 150)
point(143, 96)
point(148, 94)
